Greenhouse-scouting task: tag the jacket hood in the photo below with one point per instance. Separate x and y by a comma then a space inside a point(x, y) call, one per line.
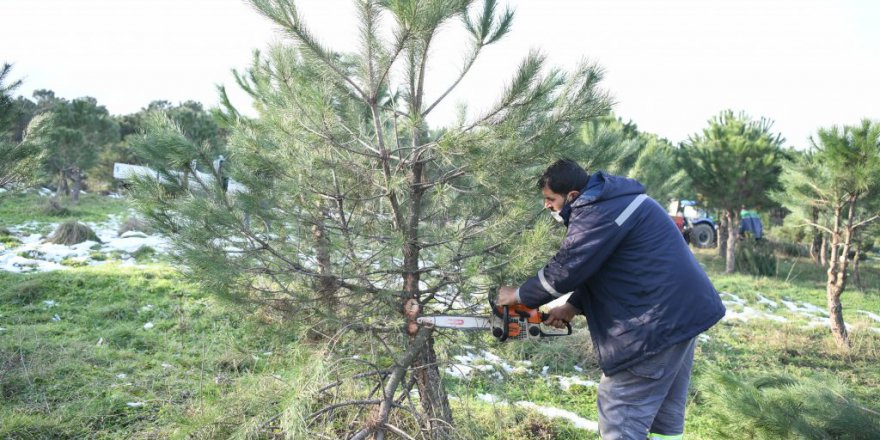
point(602, 186)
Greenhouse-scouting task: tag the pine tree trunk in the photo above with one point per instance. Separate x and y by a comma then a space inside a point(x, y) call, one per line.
point(63, 188)
point(76, 175)
point(816, 248)
point(435, 401)
point(816, 245)
point(732, 226)
point(375, 424)
point(835, 311)
point(857, 274)
point(326, 288)
point(722, 237)
point(836, 283)
point(184, 181)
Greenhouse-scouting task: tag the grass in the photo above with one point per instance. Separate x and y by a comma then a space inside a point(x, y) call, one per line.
point(747, 350)
point(801, 280)
point(19, 208)
point(211, 370)
point(763, 347)
point(203, 370)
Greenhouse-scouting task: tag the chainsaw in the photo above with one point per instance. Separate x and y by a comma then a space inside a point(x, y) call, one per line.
point(505, 322)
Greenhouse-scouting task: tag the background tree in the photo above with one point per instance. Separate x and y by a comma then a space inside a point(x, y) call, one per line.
point(44, 99)
point(350, 193)
point(610, 145)
point(657, 169)
point(73, 135)
point(797, 193)
point(618, 147)
point(840, 179)
point(6, 100)
point(733, 162)
point(19, 161)
point(198, 124)
point(23, 110)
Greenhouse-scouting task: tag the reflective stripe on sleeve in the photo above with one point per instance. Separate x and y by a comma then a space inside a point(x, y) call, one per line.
point(630, 209)
point(546, 285)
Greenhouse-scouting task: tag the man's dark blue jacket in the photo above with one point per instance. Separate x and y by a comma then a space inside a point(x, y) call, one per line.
point(631, 273)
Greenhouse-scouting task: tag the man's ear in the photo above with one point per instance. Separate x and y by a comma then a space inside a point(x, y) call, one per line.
point(572, 195)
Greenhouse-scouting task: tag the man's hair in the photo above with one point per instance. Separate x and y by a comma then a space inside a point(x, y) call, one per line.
point(563, 176)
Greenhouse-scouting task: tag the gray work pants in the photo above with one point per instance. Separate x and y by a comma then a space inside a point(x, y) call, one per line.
point(648, 397)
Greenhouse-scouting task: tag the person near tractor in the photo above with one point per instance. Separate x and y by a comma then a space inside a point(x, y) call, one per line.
point(645, 297)
point(750, 224)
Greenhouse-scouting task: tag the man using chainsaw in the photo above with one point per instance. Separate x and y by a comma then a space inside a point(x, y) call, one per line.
point(645, 297)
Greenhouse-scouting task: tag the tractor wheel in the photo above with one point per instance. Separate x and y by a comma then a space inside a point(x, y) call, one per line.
point(702, 235)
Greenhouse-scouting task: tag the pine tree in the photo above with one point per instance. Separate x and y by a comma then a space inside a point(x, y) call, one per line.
point(839, 183)
point(620, 148)
point(733, 162)
point(785, 407)
point(19, 160)
point(657, 169)
point(198, 125)
point(72, 135)
point(800, 180)
point(610, 145)
point(353, 211)
point(7, 104)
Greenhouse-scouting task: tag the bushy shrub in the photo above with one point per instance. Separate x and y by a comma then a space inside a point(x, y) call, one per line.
point(793, 233)
point(97, 256)
point(793, 238)
point(135, 224)
point(74, 262)
point(785, 407)
point(789, 249)
point(72, 232)
point(7, 240)
point(54, 208)
point(756, 258)
point(32, 254)
point(144, 253)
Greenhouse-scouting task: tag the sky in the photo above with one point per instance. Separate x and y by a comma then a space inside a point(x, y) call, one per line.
point(670, 65)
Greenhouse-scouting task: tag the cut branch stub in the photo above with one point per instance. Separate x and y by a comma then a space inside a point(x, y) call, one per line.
point(411, 310)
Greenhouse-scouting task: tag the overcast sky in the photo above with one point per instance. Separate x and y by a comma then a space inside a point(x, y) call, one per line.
point(670, 64)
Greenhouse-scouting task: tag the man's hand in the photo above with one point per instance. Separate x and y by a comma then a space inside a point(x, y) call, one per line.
point(506, 296)
point(559, 316)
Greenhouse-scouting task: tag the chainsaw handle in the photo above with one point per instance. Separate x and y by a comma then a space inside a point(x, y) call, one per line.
point(544, 317)
point(505, 318)
point(505, 326)
point(550, 335)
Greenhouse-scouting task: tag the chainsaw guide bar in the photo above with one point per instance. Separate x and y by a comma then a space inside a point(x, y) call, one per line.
point(505, 322)
point(457, 322)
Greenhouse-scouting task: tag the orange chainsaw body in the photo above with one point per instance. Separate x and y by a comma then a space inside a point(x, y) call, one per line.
point(519, 322)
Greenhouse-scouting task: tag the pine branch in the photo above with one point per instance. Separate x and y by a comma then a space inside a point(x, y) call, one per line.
point(526, 74)
point(284, 13)
point(865, 222)
point(467, 67)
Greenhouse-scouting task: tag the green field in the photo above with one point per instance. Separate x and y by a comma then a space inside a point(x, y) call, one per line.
point(21, 208)
point(122, 352)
